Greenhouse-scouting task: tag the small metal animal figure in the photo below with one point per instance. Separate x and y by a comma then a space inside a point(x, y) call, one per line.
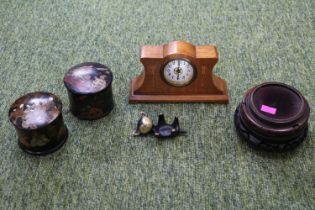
point(161, 130)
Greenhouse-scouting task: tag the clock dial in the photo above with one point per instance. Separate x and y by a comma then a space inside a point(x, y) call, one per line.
point(178, 72)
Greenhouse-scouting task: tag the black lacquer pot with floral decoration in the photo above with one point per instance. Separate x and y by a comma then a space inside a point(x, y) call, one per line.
point(37, 118)
point(89, 88)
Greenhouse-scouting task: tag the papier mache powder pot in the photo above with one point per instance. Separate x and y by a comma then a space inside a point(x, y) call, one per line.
point(89, 88)
point(37, 118)
point(273, 116)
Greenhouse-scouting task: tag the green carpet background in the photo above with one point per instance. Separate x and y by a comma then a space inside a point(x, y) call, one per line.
point(102, 166)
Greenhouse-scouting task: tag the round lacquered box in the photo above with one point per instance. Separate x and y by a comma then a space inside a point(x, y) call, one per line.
point(38, 121)
point(89, 88)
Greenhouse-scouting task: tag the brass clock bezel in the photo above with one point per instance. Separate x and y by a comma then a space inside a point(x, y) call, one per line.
point(183, 59)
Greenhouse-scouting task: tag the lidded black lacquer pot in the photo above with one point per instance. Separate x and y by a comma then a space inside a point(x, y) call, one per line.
point(273, 116)
point(89, 88)
point(37, 118)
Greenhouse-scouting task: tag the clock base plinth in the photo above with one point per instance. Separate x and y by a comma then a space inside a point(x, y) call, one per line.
point(222, 99)
point(206, 98)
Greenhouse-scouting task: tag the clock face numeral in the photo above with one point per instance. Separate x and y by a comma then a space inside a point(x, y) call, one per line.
point(178, 72)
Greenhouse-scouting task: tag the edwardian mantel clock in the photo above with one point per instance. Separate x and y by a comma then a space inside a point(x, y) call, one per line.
point(178, 72)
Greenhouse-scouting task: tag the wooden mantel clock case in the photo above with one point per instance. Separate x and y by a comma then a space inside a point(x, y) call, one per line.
point(178, 72)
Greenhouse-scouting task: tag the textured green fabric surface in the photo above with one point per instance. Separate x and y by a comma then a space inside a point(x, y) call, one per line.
point(102, 166)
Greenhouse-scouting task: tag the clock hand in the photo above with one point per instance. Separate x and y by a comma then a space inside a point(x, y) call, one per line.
point(177, 72)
